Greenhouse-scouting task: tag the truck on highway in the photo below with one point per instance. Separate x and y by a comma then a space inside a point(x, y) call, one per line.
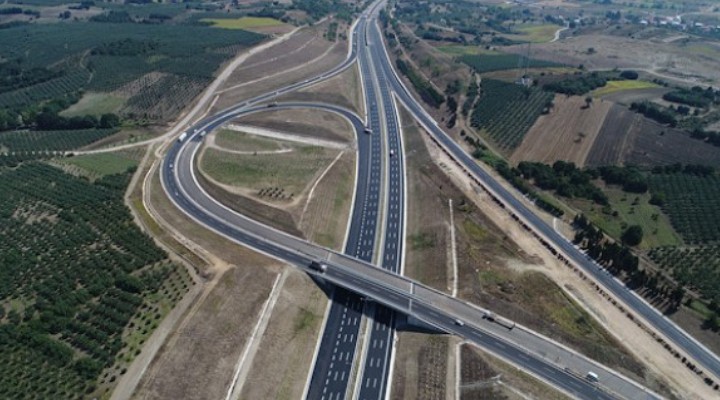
point(182, 137)
point(490, 316)
point(318, 266)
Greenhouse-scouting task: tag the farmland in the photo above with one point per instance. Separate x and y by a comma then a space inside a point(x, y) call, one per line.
point(629, 138)
point(622, 85)
point(567, 133)
point(497, 62)
point(534, 33)
point(242, 23)
point(506, 111)
point(77, 300)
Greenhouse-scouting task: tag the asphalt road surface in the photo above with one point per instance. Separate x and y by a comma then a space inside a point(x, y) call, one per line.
point(333, 365)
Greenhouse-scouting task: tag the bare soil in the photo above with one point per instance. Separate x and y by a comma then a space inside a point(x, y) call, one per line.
point(198, 361)
point(421, 365)
point(343, 90)
point(567, 133)
point(279, 369)
point(312, 123)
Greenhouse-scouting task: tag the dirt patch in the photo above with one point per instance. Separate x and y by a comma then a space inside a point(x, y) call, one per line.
point(198, 361)
point(277, 371)
point(421, 365)
point(344, 90)
point(312, 123)
point(486, 377)
point(567, 133)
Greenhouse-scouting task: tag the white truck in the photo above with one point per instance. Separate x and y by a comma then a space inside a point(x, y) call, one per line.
point(182, 137)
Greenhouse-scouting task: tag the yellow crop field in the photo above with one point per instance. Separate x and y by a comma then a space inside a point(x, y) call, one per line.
point(617, 86)
point(243, 23)
point(535, 33)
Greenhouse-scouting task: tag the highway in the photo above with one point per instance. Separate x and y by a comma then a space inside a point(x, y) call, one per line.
point(680, 339)
point(384, 287)
point(359, 276)
point(332, 367)
point(374, 375)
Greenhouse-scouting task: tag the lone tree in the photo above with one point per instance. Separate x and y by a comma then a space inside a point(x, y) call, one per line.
point(632, 236)
point(588, 101)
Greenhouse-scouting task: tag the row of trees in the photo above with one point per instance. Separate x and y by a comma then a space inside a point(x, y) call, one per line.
point(424, 88)
point(51, 121)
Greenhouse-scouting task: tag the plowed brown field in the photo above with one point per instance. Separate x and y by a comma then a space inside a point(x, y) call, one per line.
point(567, 133)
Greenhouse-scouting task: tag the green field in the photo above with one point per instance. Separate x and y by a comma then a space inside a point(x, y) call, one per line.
point(657, 230)
point(102, 164)
point(534, 33)
point(618, 86)
point(95, 104)
point(291, 172)
point(241, 141)
point(242, 23)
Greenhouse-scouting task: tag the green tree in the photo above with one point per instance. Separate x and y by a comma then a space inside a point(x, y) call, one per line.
point(633, 235)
